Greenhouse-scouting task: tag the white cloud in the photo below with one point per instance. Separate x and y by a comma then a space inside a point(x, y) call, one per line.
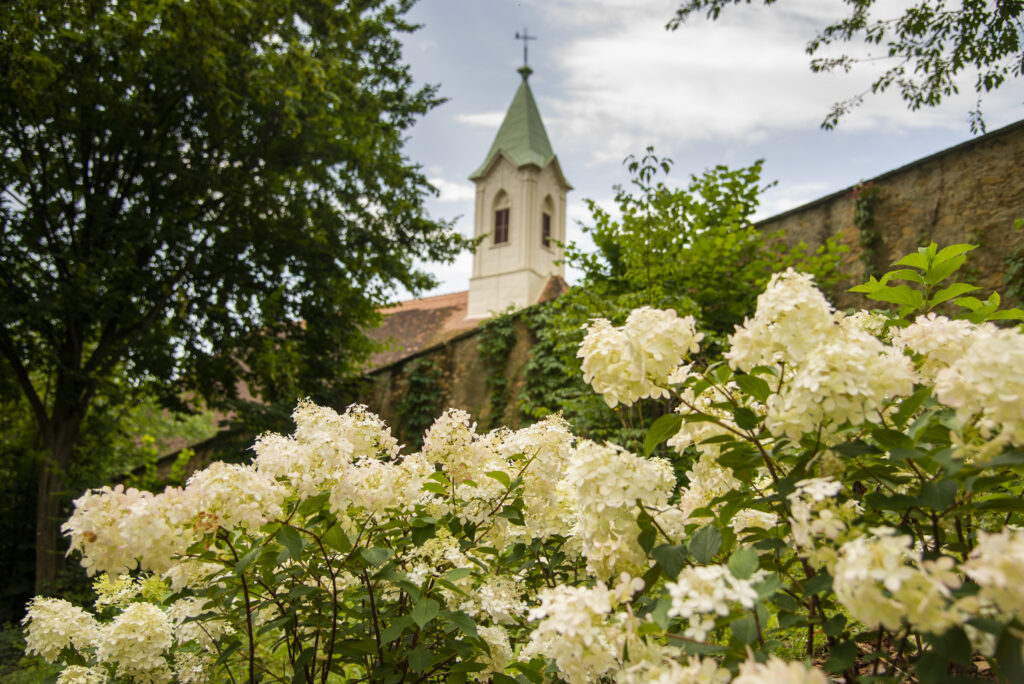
point(452, 191)
point(481, 119)
point(629, 82)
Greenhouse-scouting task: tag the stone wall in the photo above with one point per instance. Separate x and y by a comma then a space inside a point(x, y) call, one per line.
point(463, 382)
point(969, 193)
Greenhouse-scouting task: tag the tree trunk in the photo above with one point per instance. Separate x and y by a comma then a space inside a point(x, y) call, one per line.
point(49, 504)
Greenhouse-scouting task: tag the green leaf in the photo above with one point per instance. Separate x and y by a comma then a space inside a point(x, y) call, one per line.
point(906, 274)
point(671, 558)
point(646, 539)
point(892, 439)
point(947, 293)
point(705, 544)
point(842, 657)
point(290, 538)
point(1007, 315)
point(661, 429)
point(910, 405)
point(743, 562)
point(1009, 657)
point(422, 534)
point(456, 574)
point(899, 294)
point(938, 496)
point(745, 418)
point(754, 386)
point(419, 659)
point(822, 581)
point(375, 555)
point(940, 271)
point(501, 476)
point(336, 538)
point(424, 611)
point(834, 625)
point(463, 622)
point(244, 561)
point(744, 630)
point(916, 260)
point(952, 251)
point(435, 487)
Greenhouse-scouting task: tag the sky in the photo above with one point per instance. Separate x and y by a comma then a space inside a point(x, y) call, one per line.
point(610, 81)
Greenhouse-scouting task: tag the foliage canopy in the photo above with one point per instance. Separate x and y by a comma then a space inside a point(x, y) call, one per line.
point(202, 194)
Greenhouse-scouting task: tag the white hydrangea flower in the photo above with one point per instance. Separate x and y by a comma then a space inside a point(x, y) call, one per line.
point(376, 486)
point(453, 443)
point(137, 641)
point(607, 482)
point(324, 445)
point(548, 445)
point(996, 564)
point(778, 671)
point(499, 597)
point(791, 317)
point(701, 592)
point(848, 377)
point(52, 624)
point(192, 668)
point(881, 580)
point(939, 340)
point(501, 651)
point(707, 481)
point(987, 382)
point(635, 361)
point(80, 674)
point(183, 613)
point(232, 496)
point(117, 529)
point(114, 590)
point(580, 630)
point(868, 321)
point(748, 518)
point(190, 573)
point(654, 664)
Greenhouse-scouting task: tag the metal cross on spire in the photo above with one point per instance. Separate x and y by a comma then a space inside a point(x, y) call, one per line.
point(525, 37)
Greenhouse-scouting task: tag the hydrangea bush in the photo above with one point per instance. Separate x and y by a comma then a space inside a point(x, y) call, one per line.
point(849, 512)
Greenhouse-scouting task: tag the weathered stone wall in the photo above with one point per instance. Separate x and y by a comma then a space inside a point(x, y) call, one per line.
point(969, 193)
point(463, 382)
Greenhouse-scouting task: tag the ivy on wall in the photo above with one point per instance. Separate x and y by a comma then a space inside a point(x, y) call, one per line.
point(866, 197)
point(495, 341)
point(421, 403)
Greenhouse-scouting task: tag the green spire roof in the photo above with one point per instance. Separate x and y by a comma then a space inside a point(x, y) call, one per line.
point(521, 137)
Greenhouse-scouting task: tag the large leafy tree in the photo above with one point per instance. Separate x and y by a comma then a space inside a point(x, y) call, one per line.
point(200, 195)
point(927, 48)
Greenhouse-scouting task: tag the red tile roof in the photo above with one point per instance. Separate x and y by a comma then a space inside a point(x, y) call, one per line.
point(416, 324)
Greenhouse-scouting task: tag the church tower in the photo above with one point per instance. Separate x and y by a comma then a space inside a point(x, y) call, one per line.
point(520, 212)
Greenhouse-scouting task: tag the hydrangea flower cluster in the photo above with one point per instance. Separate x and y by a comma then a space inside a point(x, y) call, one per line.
point(607, 482)
point(987, 383)
point(635, 361)
point(792, 315)
point(881, 579)
point(700, 593)
point(847, 377)
point(997, 566)
point(581, 628)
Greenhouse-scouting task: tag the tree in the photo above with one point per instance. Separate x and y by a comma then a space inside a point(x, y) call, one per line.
point(931, 44)
point(200, 195)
